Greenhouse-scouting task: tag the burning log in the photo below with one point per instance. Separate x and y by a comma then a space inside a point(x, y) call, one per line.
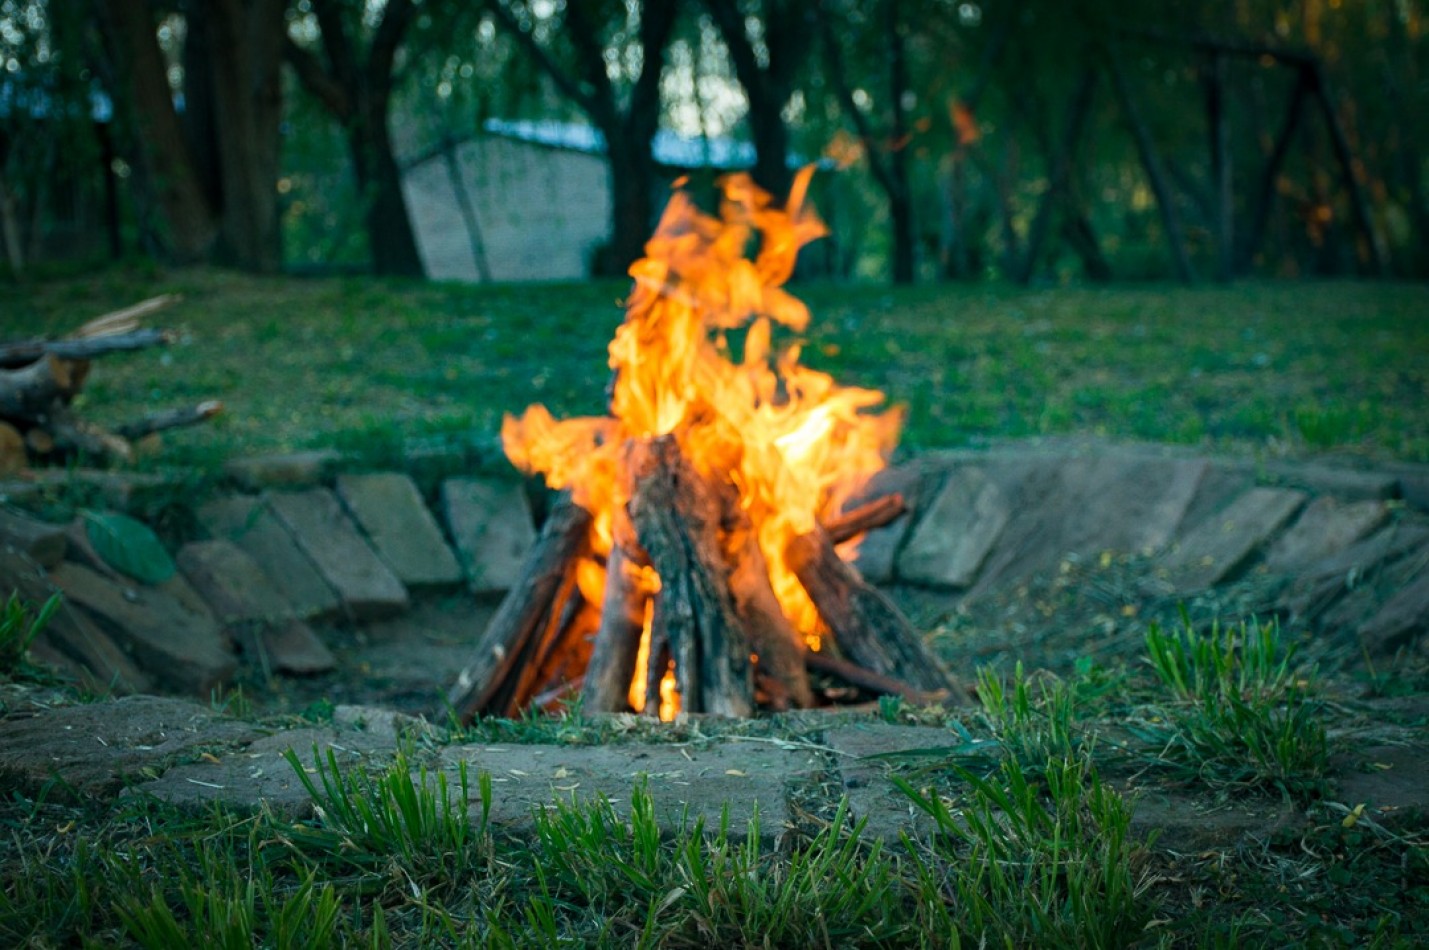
point(611, 668)
point(779, 672)
point(869, 680)
point(531, 601)
point(867, 626)
point(872, 514)
point(677, 518)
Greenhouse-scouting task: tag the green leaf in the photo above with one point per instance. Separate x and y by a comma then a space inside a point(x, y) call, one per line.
point(128, 546)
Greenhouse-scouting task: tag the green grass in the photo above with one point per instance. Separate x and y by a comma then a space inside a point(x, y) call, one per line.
point(1040, 859)
point(372, 366)
point(20, 624)
point(1240, 716)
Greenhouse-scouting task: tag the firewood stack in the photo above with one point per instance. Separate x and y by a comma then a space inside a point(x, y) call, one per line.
point(713, 618)
point(39, 380)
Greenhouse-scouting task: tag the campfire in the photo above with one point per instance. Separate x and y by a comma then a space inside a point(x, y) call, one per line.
point(697, 557)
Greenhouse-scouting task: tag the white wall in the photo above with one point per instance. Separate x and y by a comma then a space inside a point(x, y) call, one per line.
point(541, 212)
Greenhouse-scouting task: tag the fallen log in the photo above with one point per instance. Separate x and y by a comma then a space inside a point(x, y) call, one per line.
point(529, 602)
point(676, 515)
point(867, 627)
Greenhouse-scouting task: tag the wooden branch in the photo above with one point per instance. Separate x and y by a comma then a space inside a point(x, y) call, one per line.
point(872, 514)
point(526, 605)
point(26, 352)
point(124, 319)
point(869, 680)
point(170, 419)
point(617, 641)
point(867, 627)
point(676, 517)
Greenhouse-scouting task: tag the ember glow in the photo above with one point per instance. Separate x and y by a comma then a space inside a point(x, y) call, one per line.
point(696, 359)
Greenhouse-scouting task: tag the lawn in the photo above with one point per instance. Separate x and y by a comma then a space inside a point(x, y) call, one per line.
point(1031, 795)
point(362, 364)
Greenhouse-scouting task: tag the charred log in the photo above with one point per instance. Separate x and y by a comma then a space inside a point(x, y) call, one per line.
point(522, 613)
point(676, 516)
point(867, 627)
point(617, 641)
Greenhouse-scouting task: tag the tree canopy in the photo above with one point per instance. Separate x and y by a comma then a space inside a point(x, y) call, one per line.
point(1028, 139)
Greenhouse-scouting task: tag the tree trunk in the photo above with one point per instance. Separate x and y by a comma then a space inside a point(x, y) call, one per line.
point(1219, 123)
point(632, 184)
point(771, 146)
point(245, 44)
point(200, 128)
point(1059, 175)
point(1265, 195)
point(900, 199)
point(160, 152)
point(1155, 174)
point(1372, 251)
point(389, 225)
point(1078, 232)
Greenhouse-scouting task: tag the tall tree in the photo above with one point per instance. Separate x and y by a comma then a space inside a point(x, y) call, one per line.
point(783, 31)
point(575, 48)
point(355, 79)
point(887, 155)
point(228, 213)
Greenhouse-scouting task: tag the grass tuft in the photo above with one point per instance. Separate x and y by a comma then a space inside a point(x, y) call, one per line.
point(1240, 715)
point(414, 819)
point(1028, 859)
point(20, 624)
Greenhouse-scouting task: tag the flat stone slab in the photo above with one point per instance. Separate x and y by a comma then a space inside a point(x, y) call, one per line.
point(1391, 781)
point(1186, 824)
point(1078, 506)
point(955, 534)
point(249, 523)
point(183, 649)
point(390, 510)
point(492, 525)
point(70, 632)
point(685, 782)
point(878, 549)
point(260, 775)
point(871, 796)
point(1401, 619)
point(328, 536)
point(1320, 584)
point(235, 588)
point(1346, 484)
point(1325, 527)
point(39, 540)
point(286, 646)
point(289, 470)
point(1215, 549)
point(96, 748)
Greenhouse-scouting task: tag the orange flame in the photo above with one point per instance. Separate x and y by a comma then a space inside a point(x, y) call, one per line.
point(793, 442)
